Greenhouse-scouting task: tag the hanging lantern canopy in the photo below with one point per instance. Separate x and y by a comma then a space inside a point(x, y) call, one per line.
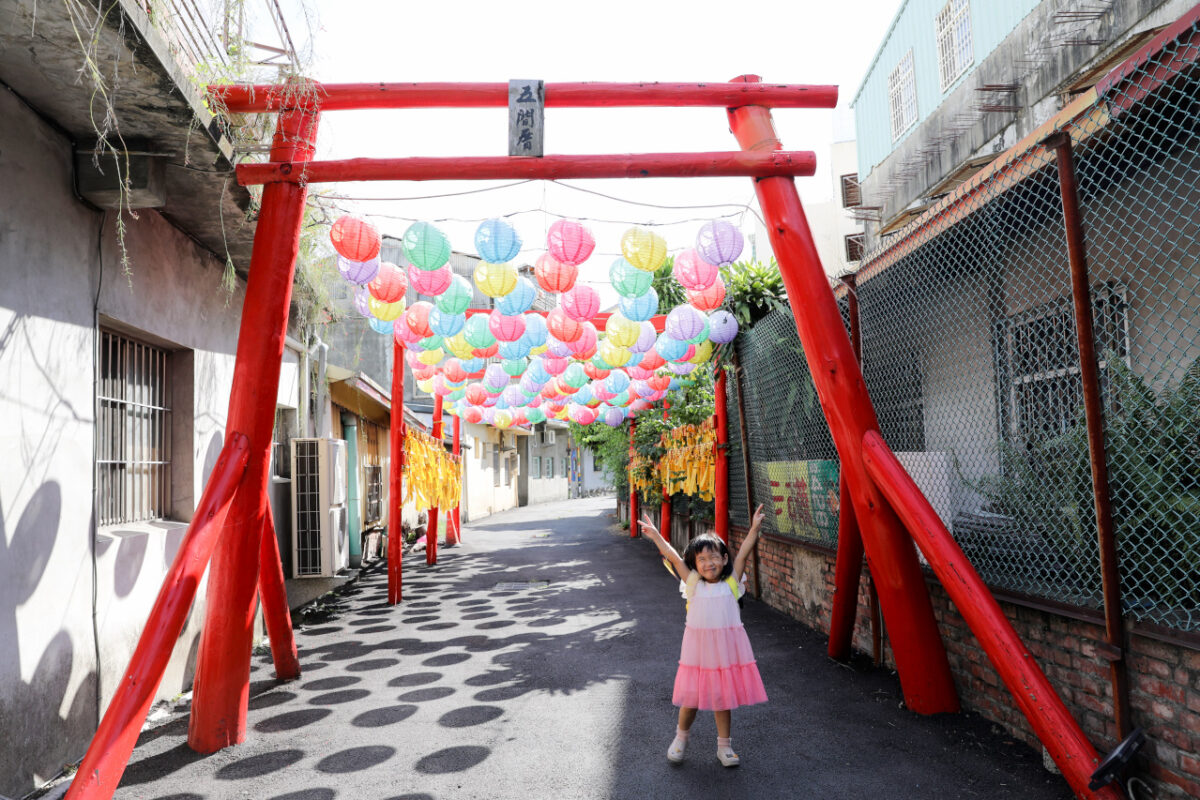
point(628, 280)
point(693, 272)
point(644, 249)
point(519, 300)
point(445, 325)
point(708, 299)
point(495, 280)
point(385, 312)
point(504, 327)
point(380, 326)
point(562, 327)
point(553, 275)
point(621, 331)
point(719, 242)
point(417, 318)
point(457, 296)
point(640, 308)
point(497, 241)
point(722, 327)
point(425, 246)
point(355, 238)
point(431, 282)
point(569, 242)
point(358, 272)
point(389, 283)
point(581, 303)
point(683, 323)
point(478, 333)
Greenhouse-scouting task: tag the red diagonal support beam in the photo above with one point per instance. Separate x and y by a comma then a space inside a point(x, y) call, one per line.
point(245, 98)
point(550, 168)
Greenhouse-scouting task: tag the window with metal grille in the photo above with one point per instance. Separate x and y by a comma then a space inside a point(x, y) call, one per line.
point(953, 31)
point(851, 195)
point(548, 467)
point(1039, 363)
point(902, 96)
point(281, 435)
point(508, 469)
point(495, 465)
point(374, 476)
point(133, 431)
point(535, 467)
point(854, 247)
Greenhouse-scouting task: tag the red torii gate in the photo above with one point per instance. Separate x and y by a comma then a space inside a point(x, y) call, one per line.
point(246, 560)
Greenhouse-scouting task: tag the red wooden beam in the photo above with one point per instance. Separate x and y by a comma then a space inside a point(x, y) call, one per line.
point(721, 489)
point(343, 96)
point(395, 549)
point(276, 615)
point(1034, 695)
point(431, 530)
point(109, 752)
point(550, 168)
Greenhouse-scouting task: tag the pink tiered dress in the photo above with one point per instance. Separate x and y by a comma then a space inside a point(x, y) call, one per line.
point(717, 670)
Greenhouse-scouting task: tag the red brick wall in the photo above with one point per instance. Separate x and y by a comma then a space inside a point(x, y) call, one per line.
point(1164, 678)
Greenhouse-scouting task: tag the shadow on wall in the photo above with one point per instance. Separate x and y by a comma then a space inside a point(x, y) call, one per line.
point(41, 730)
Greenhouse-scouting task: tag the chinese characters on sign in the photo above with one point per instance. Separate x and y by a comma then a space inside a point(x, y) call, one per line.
point(526, 117)
point(804, 497)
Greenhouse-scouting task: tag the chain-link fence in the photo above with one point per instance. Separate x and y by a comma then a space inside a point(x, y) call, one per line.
point(971, 358)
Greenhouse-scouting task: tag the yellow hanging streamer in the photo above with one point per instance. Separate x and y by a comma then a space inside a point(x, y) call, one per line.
point(689, 464)
point(432, 477)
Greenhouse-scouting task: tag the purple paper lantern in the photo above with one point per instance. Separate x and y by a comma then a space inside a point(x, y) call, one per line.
point(719, 242)
point(613, 417)
point(722, 327)
point(359, 272)
point(362, 300)
point(684, 323)
point(645, 340)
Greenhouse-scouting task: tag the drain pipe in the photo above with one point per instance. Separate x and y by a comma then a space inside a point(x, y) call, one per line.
point(350, 430)
point(322, 387)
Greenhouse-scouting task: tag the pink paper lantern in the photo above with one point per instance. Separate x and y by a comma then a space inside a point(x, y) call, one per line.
point(708, 299)
point(453, 371)
point(652, 360)
point(693, 272)
point(719, 242)
point(639, 373)
point(505, 328)
point(404, 335)
point(584, 347)
point(553, 275)
point(582, 414)
point(476, 394)
point(432, 282)
point(389, 284)
point(555, 366)
point(569, 242)
point(562, 327)
point(659, 383)
point(581, 303)
point(473, 415)
point(417, 318)
point(355, 238)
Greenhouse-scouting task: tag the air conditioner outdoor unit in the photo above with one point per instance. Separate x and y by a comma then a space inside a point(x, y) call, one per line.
point(547, 436)
point(320, 539)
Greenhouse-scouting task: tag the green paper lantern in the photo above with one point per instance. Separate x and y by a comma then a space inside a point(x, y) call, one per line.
point(457, 298)
point(425, 246)
point(535, 415)
point(477, 333)
point(574, 376)
point(702, 335)
point(514, 366)
point(628, 280)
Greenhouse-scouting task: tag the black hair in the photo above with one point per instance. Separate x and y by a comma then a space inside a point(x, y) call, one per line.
point(708, 541)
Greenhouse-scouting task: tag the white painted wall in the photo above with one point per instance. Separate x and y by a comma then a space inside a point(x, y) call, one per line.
point(481, 495)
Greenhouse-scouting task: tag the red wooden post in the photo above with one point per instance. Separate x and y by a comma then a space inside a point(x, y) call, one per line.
point(633, 496)
point(455, 523)
point(1017, 667)
point(664, 511)
point(920, 655)
point(396, 476)
point(431, 531)
point(721, 474)
point(109, 752)
point(276, 615)
point(222, 681)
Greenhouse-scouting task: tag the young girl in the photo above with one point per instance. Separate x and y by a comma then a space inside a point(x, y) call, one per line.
point(716, 665)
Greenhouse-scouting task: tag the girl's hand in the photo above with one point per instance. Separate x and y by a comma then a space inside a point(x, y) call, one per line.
point(648, 526)
point(757, 520)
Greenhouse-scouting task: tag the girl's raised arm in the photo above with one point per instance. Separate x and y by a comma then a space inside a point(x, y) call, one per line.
point(665, 548)
point(739, 563)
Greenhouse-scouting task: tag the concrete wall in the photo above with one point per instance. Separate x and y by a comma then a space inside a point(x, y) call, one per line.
point(60, 270)
point(543, 489)
point(481, 495)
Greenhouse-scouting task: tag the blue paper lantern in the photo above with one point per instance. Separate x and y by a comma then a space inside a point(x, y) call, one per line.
point(536, 332)
point(669, 348)
point(537, 371)
point(446, 324)
point(519, 300)
point(473, 365)
point(616, 382)
point(518, 348)
point(379, 326)
point(642, 307)
point(497, 242)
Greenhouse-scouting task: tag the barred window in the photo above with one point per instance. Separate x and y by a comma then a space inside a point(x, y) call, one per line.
point(133, 431)
point(953, 31)
point(851, 194)
point(535, 467)
point(495, 465)
point(902, 96)
point(548, 467)
point(1040, 363)
point(374, 493)
point(854, 247)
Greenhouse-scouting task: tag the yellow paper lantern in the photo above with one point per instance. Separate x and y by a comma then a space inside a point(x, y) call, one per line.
point(616, 356)
point(503, 419)
point(644, 249)
point(495, 280)
point(387, 312)
point(703, 352)
point(426, 386)
point(622, 331)
point(459, 346)
point(431, 357)
point(537, 351)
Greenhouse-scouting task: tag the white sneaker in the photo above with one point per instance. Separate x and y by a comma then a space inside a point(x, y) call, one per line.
point(727, 757)
point(675, 751)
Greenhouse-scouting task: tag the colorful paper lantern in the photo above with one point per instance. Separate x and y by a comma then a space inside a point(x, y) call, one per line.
point(513, 395)
point(617, 381)
point(477, 332)
point(430, 357)
point(358, 272)
point(628, 280)
point(535, 415)
point(703, 352)
point(389, 283)
point(518, 348)
point(536, 332)
point(385, 327)
point(445, 325)
point(585, 346)
point(569, 242)
point(553, 275)
point(515, 367)
point(473, 415)
point(431, 282)
point(495, 377)
point(555, 366)
point(487, 352)
point(453, 370)
point(385, 311)
point(644, 249)
point(519, 300)
point(640, 308)
point(670, 348)
point(652, 360)
point(457, 343)
point(647, 336)
point(581, 303)
point(612, 354)
point(719, 242)
point(722, 327)
point(404, 335)
point(702, 334)
point(681, 368)
point(362, 301)
point(504, 327)
point(425, 246)
point(497, 241)
point(613, 417)
point(457, 297)
point(582, 414)
point(431, 342)
point(683, 323)
point(355, 238)
point(595, 373)
point(693, 272)
point(621, 331)
point(417, 318)
point(495, 280)
point(708, 299)
point(562, 327)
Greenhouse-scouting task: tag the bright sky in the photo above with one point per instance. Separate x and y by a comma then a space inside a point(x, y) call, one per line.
point(802, 42)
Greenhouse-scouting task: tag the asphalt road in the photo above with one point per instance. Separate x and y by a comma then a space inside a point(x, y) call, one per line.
point(558, 685)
